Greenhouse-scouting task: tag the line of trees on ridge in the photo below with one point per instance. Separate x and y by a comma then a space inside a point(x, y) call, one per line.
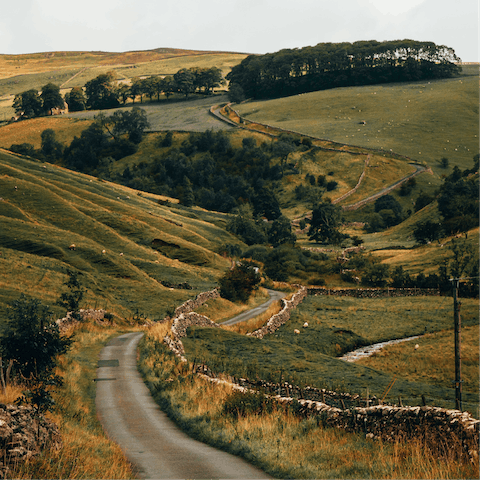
point(105, 92)
point(330, 65)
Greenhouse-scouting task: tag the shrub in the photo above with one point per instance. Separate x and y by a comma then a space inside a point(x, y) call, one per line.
point(32, 339)
point(239, 283)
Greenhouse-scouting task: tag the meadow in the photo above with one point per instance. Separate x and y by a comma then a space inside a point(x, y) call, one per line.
point(424, 121)
point(266, 436)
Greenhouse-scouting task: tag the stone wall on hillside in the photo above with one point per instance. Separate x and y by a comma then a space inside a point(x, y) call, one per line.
point(200, 299)
point(24, 434)
point(277, 320)
point(374, 292)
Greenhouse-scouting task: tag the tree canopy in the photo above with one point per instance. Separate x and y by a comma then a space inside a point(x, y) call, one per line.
point(329, 65)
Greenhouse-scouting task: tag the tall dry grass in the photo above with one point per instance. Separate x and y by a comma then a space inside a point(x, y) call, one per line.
point(268, 440)
point(86, 452)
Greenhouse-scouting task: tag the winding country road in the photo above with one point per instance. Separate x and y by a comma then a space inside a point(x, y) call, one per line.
point(150, 440)
point(274, 296)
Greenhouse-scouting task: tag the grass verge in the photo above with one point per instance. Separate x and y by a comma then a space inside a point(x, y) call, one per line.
point(268, 439)
point(86, 451)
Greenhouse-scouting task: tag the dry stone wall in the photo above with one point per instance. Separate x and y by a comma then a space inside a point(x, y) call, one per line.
point(281, 317)
point(200, 299)
point(24, 434)
point(374, 292)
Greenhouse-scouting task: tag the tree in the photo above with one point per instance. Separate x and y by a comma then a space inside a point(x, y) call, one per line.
point(444, 162)
point(51, 97)
point(244, 225)
point(131, 122)
point(326, 218)
point(281, 232)
point(239, 282)
point(76, 100)
point(29, 103)
point(427, 231)
point(72, 298)
point(185, 81)
point(32, 339)
point(375, 275)
point(51, 148)
point(101, 92)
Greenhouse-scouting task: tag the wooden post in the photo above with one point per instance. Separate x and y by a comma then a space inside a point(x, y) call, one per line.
point(457, 327)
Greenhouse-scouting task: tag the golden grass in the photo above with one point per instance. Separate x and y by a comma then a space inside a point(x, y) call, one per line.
point(269, 439)
point(433, 362)
point(29, 131)
point(255, 323)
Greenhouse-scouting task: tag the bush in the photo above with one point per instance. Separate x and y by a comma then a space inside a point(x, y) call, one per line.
point(239, 283)
point(32, 339)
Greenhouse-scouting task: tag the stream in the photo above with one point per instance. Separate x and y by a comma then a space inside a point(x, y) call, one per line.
point(364, 352)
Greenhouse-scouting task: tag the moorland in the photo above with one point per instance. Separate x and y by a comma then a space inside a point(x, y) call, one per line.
point(151, 222)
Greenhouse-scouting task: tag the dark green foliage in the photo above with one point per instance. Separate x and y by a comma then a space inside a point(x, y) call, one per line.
point(239, 283)
point(444, 162)
point(326, 219)
point(101, 92)
point(458, 200)
point(281, 233)
point(28, 102)
point(71, 299)
point(331, 185)
point(244, 225)
point(51, 148)
point(423, 200)
point(23, 149)
point(51, 97)
point(39, 392)
point(427, 231)
point(375, 275)
point(32, 339)
point(240, 404)
point(167, 140)
point(76, 100)
point(330, 65)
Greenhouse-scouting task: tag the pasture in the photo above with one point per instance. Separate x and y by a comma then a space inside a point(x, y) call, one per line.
point(424, 121)
point(46, 209)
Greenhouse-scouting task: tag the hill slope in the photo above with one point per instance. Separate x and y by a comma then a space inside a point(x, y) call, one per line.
point(126, 244)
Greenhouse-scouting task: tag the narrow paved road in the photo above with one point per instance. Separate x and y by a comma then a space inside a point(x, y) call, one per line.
point(274, 295)
point(151, 441)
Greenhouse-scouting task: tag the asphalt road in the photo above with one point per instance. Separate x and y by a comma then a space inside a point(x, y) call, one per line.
point(274, 296)
point(150, 440)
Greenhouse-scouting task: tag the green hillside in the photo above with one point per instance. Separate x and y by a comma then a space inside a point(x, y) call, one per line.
point(125, 242)
point(422, 120)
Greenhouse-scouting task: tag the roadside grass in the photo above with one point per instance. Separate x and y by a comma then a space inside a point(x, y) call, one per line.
point(422, 120)
point(86, 452)
point(257, 322)
point(220, 309)
point(112, 228)
point(268, 439)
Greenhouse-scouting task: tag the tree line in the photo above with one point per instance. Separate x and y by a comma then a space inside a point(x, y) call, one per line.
point(105, 92)
point(330, 65)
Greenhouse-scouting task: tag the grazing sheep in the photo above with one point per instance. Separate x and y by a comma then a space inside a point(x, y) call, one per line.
point(296, 331)
point(305, 325)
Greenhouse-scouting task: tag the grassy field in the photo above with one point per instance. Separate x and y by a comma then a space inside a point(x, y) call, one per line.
point(45, 209)
point(424, 121)
point(70, 69)
point(337, 325)
point(268, 438)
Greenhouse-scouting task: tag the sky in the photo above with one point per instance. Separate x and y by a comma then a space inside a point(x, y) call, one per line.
point(247, 26)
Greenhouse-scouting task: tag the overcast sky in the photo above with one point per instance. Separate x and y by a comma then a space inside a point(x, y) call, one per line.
point(250, 26)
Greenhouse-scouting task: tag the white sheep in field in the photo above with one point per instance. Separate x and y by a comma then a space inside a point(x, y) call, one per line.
point(305, 325)
point(296, 331)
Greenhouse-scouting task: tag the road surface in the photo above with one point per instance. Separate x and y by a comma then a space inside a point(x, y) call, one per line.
point(150, 440)
point(274, 296)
